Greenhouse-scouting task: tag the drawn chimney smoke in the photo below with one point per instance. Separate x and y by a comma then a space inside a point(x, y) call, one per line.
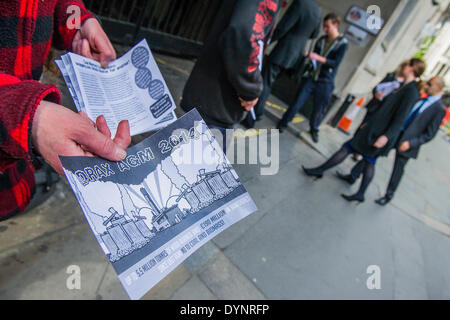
point(169, 168)
point(129, 208)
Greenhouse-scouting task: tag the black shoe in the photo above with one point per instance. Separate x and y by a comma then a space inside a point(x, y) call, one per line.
point(249, 124)
point(356, 197)
point(281, 127)
point(313, 172)
point(345, 177)
point(314, 135)
point(384, 200)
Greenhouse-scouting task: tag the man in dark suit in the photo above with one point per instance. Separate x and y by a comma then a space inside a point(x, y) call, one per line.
point(420, 127)
point(300, 23)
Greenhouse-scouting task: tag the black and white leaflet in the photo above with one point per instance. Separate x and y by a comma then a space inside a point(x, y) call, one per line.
point(130, 88)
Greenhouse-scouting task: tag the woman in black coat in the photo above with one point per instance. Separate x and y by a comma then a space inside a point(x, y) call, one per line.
point(395, 79)
point(376, 136)
point(390, 83)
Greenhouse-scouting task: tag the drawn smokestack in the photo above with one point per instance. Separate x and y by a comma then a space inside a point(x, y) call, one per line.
point(150, 202)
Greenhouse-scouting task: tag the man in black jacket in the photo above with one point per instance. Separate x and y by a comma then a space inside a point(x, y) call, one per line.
point(226, 80)
point(300, 23)
point(420, 127)
point(326, 57)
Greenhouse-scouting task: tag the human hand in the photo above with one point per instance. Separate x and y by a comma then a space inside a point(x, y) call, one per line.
point(381, 142)
point(316, 57)
point(92, 42)
point(311, 55)
point(379, 95)
point(404, 146)
point(57, 130)
point(248, 105)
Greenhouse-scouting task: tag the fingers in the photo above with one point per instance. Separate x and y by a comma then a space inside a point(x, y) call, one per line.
point(381, 142)
point(107, 52)
point(56, 165)
point(97, 143)
point(85, 117)
point(248, 105)
point(92, 42)
point(76, 46)
point(123, 138)
point(102, 126)
point(104, 48)
point(85, 49)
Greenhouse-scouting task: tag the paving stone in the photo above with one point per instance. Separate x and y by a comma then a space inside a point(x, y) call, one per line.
point(226, 281)
point(200, 258)
point(167, 286)
point(193, 289)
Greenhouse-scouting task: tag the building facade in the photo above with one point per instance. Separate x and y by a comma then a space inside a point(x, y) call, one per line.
point(180, 27)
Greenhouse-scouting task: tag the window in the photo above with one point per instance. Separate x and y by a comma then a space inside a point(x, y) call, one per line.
point(447, 53)
point(399, 23)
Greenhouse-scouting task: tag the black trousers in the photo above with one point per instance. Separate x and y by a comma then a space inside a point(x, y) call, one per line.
point(270, 73)
point(396, 176)
point(321, 91)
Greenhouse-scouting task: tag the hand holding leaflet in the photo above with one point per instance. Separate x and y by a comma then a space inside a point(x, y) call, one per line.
point(130, 88)
point(174, 191)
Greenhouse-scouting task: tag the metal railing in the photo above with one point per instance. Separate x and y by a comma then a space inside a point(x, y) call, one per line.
point(176, 26)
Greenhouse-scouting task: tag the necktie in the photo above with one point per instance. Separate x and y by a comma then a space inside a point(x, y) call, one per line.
point(414, 114)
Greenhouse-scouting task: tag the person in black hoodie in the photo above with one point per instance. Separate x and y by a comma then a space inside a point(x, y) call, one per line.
point(379, 134)
point(226, 81)
point(328, 53)
point(302, 21)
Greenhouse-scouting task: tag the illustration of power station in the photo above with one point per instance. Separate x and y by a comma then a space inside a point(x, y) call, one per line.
point(211, 186)
point(123, 236)
point(128, 232)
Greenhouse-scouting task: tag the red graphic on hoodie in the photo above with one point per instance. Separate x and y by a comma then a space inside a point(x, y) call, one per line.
point(263, 18)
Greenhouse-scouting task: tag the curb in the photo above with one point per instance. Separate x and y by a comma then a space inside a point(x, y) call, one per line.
point(295, 131)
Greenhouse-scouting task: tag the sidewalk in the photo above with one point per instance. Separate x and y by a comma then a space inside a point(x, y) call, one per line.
point(304, 242)
point(424, 186)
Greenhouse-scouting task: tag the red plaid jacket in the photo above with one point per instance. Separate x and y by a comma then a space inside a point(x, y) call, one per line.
point(27, 30)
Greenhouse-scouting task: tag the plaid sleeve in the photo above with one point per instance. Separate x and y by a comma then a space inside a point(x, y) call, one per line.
point(17, 187)
point(65, 22)
point(18, 103)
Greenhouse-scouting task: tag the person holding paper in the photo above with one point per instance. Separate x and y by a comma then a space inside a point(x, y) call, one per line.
point(226, 80)
point(33, 124)
point(326, 57)
point(390, 83)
